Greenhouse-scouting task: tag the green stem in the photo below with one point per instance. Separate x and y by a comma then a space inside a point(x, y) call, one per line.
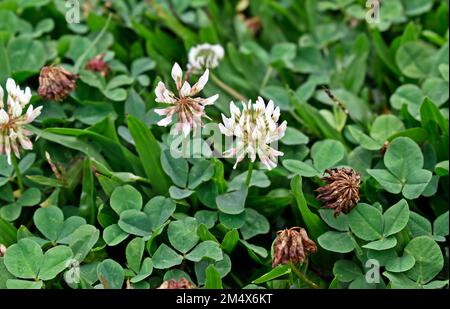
point(266, 77)
point(303, 277)
point(81, 59)
point(227, 88)
point(249, 174)
point(18, 174)
point(237, 280)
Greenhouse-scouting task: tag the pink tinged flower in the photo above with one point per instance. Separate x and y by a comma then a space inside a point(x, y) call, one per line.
point(255, 128)
point(188, 109)
point(13, 135)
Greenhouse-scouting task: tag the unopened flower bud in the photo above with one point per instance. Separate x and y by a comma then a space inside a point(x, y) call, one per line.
point(55, 83)
point(2, 250)
point(341, 192)
point(97, 64)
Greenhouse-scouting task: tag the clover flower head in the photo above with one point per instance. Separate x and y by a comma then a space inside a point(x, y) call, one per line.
point(55, 83)
point(341, 191)
point(12, 119)
point(292, 245)
point(255, 129)
point(189, 109)
point(205, 56)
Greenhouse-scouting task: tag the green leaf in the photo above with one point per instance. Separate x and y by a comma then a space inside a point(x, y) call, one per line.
point(206, 249)
point(55, 261)
point(69, 226)
point(159, 209)
point(110, 274)
point(277, 272)
point(134, 252)
point(30, 197)
point(232, 203)
point(213, 278)
point(230, 240)
point(382, 244)
point(26, 55)
point(339, 223)
point(428, 256)
point(389, 182)
point(183, 234)
point(441, 169)
point(400, 264)
point(326, 154)
point(300, 168)
point(366, 222)
point(135, 222)
point(88, 207)
point(149, 153)
point(82, 241)
point(440, 225)
point(385, 126)
point(401, 281)
point(24, 259)
point(293, 136)
point(125, 198)
point(179, 194)
point(414, 59)
point(314, 225)
point(396, 218)
point(114, 235)
point(418, 225)
point(145, 271)
point(346, 271)
point(206, 217)
point(23, 284)
point(417, 7)
point(336, 241)
point(176, 168)
point(255, 224)
point(8, 233)
point(201, 171)
point(165, 257)
point(49, 221)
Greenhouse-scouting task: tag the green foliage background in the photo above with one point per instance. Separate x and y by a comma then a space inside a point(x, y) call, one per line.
point(128, 214)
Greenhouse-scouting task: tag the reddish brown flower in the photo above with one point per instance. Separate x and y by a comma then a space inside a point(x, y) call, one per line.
point(341, 192)
point(2, 250)
point(98, 65)
point(173, 284)
point(55, 83)
point(292, 245)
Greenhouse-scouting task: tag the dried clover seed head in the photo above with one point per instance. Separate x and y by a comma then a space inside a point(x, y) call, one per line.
point(55, 83)
point(172, 284)
point(292, 245)
point(2, 250)
point(341, 192)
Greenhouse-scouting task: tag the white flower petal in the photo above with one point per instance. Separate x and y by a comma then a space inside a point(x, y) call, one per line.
point(201, 83)
point(177, 75)
point(211, 100)
point(185, 90)
point(165, 121)
point(4, 118)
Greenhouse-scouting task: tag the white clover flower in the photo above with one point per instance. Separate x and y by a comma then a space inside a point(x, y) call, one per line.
point(255, 129)
point(205, 56)
point(12, 119)
point(189, 110)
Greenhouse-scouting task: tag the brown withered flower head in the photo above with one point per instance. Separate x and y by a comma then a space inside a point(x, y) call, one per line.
point(174, 284)
point(2, 250)
point(97, 64)
point(292, 245)
point(341, 192)
point(55, 83)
